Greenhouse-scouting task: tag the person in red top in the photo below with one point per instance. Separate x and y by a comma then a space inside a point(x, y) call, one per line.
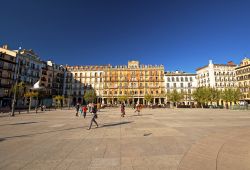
point(84, 108)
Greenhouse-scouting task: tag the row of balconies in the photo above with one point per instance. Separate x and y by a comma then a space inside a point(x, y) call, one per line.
point(131, 87)
point(3, 85)
point(6, 76)
point(7, 68)
point(177, 87)
point(246, 77)
point(243, 71)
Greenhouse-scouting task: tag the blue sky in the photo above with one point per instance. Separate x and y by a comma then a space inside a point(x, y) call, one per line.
point(180, 34)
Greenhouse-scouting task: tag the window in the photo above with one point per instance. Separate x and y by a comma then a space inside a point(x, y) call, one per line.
point(167, 85)
point(1, 64)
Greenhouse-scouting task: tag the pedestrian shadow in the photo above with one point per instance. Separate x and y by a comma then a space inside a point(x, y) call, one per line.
point(142, 115)
point(116, 124)
point(2, 139)
point(39, 133)
point(22, 123)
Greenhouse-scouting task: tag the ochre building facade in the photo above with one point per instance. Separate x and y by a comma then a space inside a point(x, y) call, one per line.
point(134, 81)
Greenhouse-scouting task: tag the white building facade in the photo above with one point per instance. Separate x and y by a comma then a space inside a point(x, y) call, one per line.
point(78, 79)
point(181, 82)
point(219, 76)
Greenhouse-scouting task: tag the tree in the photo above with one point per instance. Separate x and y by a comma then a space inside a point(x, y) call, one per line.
point(59, 100)
point(237, 95)
point(90, 95)
point(122, 98)
point(31, 95)
point(214, 95)
point(175, 97)
point(19, 89)
point(231, 95)
point(148, 98)
point(201, 95)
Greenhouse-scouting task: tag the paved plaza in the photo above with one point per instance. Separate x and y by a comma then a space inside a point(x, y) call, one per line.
point(166, 139)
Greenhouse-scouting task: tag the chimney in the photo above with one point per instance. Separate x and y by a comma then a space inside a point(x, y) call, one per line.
point(5, 46)
point(230, 63)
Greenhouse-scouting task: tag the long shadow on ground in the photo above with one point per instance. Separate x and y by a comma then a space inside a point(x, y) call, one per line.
point(39, 133)
point(116, 124)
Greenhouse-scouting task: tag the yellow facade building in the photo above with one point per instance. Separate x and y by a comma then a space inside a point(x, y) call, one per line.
point(243, 78)
point(133, 81)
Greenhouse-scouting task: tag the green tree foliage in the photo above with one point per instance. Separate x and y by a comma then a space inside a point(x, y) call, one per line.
point(231, 95)
point(175, 97)
point(122, 98)
point(59, 100)
point(31, 95)
point(90, 96)
point(201, 95)
point(148, 98)
point(19, 89)
point(214, 95)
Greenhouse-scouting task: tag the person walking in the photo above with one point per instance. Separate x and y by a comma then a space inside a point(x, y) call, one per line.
point(84, 108)
point(138, 108)
point(94, 112)
point(123, 110)
point(77, 108)
point(81, 111)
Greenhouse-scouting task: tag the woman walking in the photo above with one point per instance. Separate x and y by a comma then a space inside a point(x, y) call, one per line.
point(94, 112)
point(122, 110)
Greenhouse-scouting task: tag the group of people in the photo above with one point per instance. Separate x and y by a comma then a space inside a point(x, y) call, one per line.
point(92, 109)
point(82, 109)
point(136, 106)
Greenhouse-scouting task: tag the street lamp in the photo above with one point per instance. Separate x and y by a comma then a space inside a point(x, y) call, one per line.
point(15, 86)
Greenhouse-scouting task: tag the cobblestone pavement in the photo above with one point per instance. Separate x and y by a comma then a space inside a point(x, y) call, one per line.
point(167, 139)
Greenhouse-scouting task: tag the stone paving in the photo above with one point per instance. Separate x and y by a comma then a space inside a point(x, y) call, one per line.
point(165, 139)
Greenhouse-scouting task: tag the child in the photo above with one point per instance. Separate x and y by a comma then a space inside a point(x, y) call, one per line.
point(84, 108)
point(81, 111)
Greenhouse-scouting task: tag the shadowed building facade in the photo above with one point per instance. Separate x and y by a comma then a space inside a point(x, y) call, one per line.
point(7, 74)
point(52, 79)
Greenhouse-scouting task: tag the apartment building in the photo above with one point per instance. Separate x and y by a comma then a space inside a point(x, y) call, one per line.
point(134, 80)
point(243, 78)
point(182, 82)
point(7, 75)
point(79, 79)
point(219, 76)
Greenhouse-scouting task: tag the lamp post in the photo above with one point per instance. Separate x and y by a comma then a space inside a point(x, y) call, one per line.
point(15, 86)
